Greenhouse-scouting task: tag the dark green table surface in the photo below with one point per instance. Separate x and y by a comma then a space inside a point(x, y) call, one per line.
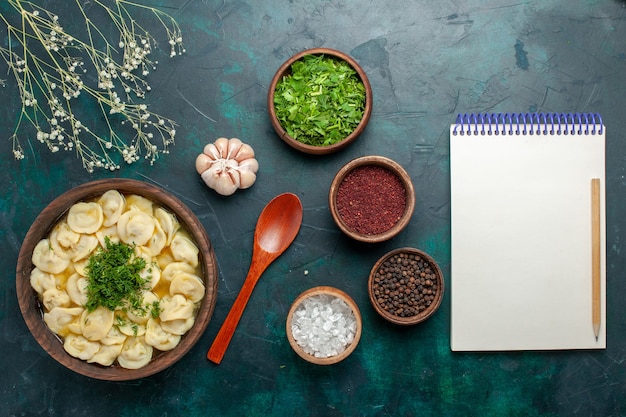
point(426, 61)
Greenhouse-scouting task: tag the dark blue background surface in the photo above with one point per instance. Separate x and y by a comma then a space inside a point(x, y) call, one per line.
point(426, 61)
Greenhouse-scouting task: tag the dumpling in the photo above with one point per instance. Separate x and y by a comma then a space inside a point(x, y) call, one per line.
point(189, 285)
point(61, 319)
point(63, 240)
point(135, 354)
point(47, 260)
point(76, 288)
point(168, 222)
point(107, 354)
point(143, 252)
point(135, 227)
point(142, 314)
point(68, 244)
point(79, 347)
point(85, 217)
point(175, 268)
point(86, 245)
point(184, 250)
point(130, 328)
point(79, 266)
point(164, 259)
point(176, 307)
point(157, 241)
point(55, 298)
point(152, 274)
point(159, 338)
point(180, 326)
point(113, 337)
point(41, 281)
point(95, 325)
point(110, 232)
point(140, 203)
point(113, 204)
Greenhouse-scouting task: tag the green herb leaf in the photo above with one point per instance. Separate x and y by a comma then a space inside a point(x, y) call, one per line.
point(114, 280)
point(321, 102)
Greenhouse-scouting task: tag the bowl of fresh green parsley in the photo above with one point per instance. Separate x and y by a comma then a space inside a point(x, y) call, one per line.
point(319, 101)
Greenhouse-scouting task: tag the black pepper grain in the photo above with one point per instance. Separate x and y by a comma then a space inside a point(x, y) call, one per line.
point(404, 285)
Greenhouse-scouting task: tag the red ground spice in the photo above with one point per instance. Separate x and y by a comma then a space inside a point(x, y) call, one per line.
point(371, 199)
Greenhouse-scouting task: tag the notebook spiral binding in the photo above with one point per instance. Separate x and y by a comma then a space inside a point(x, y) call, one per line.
point(528, 124)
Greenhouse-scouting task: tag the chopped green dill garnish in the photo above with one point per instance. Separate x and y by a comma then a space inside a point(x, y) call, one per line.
point(120, 321)
point(113, 277)
point(155, 310)
point(321, 102)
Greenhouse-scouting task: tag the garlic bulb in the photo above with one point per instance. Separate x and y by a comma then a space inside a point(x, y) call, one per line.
point(227, 165)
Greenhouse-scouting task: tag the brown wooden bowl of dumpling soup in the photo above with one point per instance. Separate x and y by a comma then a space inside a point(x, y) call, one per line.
point(116, 279)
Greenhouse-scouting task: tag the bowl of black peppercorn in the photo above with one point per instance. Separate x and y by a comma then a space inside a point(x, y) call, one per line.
point(406, 286)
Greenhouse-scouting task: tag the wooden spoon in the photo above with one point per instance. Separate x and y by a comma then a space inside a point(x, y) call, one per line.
point(276, 228)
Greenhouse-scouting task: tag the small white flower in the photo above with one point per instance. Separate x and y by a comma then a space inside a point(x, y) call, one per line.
point(133, 66)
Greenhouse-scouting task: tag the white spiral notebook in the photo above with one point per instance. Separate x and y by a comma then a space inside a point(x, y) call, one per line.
point(523, 226)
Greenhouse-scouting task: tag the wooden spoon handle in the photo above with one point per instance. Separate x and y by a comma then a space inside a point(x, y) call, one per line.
point(225, 334)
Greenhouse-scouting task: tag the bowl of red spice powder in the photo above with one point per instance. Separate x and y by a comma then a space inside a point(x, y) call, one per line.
point(371, 199)
point(406, 286)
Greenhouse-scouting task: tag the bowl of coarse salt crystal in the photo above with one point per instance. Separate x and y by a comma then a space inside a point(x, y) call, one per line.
point(324, 325)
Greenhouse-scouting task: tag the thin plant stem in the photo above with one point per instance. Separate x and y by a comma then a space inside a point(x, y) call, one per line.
point(48, 64)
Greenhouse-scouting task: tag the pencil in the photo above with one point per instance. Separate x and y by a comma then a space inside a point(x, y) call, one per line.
point(595, 255)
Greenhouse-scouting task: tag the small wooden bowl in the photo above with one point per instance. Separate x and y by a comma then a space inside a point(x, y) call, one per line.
point(392, 166)
point(32, 309)
point(285, 69)
point(435, 275)
point(331, 292)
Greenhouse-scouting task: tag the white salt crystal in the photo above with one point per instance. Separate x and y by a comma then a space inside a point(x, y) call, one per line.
point(323, 325)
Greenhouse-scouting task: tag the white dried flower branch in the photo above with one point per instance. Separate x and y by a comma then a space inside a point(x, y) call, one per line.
point(51, 68)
